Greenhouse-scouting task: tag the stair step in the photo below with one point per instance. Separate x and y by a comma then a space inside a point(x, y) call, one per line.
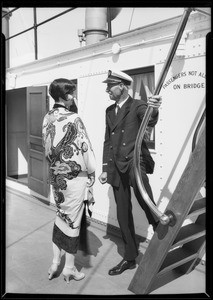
point(175, 259)
point(177, 248)
point(198, 207)
point(188, 233)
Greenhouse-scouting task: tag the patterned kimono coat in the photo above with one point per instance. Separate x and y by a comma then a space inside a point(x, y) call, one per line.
point(71, 158)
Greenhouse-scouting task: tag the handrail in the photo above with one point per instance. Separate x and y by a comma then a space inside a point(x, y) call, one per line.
point(10, 12)
point(43, 22)
point(169, 217)
point(200, 123)
point(202, 11)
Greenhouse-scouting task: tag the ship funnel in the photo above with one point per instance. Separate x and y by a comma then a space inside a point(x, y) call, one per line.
point(96, 28)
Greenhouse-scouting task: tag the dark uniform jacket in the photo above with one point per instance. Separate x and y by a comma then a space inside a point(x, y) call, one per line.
point(120, 136)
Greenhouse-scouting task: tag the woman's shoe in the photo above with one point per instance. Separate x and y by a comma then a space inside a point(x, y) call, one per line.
point(72, 272)
point(53, 270)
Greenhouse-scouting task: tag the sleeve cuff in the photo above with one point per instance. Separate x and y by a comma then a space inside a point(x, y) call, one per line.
point(104, 167)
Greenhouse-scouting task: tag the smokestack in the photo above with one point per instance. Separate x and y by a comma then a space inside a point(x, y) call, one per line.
point(96, 28)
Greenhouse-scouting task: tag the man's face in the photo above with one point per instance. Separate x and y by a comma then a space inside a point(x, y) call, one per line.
point(114, 90)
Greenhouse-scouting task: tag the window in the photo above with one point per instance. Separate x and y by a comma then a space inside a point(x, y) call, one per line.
point(142, 87)
point(74, 106)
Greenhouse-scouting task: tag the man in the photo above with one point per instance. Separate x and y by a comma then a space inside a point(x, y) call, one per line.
point(123, 121)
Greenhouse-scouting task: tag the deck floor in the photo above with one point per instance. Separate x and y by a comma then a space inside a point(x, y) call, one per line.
point(29, 223)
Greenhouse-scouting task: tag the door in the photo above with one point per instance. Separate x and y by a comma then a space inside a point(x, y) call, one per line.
point(37, 106)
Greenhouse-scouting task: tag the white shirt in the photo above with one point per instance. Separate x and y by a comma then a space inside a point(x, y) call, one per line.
point(120, 104)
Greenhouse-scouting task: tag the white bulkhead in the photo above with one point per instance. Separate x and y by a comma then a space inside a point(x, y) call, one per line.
point(183, 94)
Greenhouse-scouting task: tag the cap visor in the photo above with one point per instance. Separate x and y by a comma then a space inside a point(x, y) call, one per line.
point(108, 80)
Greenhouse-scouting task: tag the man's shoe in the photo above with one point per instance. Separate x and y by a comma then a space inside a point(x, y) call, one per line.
point(122, 266)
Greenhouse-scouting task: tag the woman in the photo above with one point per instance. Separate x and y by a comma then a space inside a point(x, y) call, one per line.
point(71, 169)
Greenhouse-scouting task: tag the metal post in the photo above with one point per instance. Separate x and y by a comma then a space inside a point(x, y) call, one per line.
point(35, 33)
point(164, 219)
point(6, 14)
point(109, 22)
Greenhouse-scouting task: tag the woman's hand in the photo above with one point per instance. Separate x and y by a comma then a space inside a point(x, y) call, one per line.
point(91, 178)
point(103, 177)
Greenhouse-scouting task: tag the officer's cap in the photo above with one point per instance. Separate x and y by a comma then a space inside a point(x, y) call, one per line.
point(118, 76)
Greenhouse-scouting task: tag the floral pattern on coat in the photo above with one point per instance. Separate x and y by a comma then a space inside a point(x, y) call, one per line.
point(68, 151)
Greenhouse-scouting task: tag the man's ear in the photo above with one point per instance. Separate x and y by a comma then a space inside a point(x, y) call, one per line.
point(121, 85)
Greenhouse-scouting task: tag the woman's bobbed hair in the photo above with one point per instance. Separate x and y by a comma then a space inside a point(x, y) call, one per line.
point(60, 87)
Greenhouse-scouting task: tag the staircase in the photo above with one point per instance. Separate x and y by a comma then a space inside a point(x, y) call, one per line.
point(177, 248)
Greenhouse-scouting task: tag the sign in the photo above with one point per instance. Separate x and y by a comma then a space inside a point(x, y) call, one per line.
point(192, 80)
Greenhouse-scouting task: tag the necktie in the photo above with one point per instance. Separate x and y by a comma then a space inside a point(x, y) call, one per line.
point(117, 109)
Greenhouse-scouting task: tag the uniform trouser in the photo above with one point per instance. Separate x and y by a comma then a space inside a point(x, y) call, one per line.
point(122, 196)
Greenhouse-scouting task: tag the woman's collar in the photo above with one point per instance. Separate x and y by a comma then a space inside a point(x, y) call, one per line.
point(56, 105)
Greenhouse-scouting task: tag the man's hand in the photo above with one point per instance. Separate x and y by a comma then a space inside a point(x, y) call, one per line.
point(103, 177)
point(91, 178)
point(154, 101)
